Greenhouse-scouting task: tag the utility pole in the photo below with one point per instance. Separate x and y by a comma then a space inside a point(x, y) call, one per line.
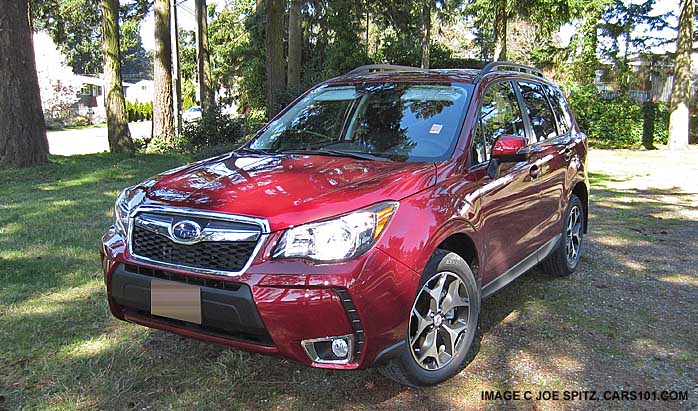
point(178, 72)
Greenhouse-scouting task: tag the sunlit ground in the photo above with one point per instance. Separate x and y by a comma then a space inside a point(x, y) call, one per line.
point(626, 320)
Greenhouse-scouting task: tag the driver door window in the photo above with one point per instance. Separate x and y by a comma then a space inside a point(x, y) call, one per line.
point(499, 115)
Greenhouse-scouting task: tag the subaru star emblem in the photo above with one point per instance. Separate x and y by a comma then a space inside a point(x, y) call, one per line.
point(185, 231)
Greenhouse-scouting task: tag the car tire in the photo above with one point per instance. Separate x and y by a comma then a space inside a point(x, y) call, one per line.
point(459, 293)
point(564, 259)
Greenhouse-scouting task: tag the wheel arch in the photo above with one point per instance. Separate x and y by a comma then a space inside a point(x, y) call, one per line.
point(461, 244)
point(581, 190)
point(459, 237)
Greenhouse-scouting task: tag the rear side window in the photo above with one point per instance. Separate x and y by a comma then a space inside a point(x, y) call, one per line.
point(564, 120)
point(539, 111)
point(499, 114)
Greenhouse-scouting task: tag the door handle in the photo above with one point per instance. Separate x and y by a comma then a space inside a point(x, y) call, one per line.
point(567, 153)
point(534, 170)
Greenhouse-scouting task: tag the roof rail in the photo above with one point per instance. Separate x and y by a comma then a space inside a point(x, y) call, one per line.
point(372, 68)
point(498, 65)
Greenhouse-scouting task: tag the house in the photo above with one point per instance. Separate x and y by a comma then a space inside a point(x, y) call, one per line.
point(91, 97)
point(141, 91)
point(654, 77)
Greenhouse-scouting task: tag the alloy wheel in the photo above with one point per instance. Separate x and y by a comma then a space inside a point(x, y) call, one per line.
point(573, 236)
point(439, 320)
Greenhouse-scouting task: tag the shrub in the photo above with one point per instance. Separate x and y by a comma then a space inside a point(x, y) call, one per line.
point(147, 110)
point(214, 128)
point(214, 133)
point(138, 111)
point(141, 144)
point(661, 124)
point(78, 121)
point(609, 123)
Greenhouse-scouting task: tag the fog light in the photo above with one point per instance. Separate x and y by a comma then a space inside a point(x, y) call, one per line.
point(340, 348)
point(330, 350)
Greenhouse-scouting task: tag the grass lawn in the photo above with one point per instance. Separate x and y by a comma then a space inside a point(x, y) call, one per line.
point(627, 320)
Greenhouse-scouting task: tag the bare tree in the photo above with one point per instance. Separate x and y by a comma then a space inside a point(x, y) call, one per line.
point(118, 133)
point(23, 140)
point(163, 113)
point(295, 43)
point(203, 55)
point(276, 80)
point(681, 90)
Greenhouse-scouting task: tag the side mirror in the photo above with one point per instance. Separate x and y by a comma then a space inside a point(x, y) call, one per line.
point(507, 148)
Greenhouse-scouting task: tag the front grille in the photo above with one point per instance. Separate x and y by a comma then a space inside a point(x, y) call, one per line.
point(220, 256)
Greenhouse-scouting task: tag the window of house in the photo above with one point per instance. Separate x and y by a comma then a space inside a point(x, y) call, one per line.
point(499, 115)
point(539, 111)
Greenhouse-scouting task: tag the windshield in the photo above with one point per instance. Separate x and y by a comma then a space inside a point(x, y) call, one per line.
point(396, 121)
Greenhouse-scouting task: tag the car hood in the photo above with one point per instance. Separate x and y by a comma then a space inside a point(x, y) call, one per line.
point(286, 189)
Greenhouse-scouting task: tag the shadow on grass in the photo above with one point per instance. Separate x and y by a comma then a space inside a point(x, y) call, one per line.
point(52, 216)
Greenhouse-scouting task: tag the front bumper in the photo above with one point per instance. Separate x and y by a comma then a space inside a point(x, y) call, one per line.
point(276, 304)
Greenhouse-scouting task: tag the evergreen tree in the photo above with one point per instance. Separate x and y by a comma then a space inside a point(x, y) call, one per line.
point(23, 140)
point(681, 91)
point(118, 133)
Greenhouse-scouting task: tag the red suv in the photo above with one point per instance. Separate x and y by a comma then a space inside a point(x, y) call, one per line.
point(364, 224)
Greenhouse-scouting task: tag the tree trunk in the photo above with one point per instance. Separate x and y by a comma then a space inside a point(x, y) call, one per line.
point(118, 133)
point(681, 90)
point(426, 33)
point(23, 140)
point(203, 55)
point(163, 116)
point(500, 31)
point(177, 69)
point(295, 43)
point(276, 81)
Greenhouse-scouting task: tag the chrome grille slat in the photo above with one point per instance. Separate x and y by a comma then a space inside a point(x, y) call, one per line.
point(227, 244)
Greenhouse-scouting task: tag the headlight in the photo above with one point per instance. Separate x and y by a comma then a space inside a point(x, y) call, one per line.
point(337, 239)
point(122, 209)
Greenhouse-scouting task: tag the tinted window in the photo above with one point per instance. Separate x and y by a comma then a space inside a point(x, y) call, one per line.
point(500, 114)
point(539, 111)
point(564, 120)
point(398, 121)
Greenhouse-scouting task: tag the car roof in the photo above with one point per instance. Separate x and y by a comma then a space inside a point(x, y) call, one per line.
point(382, 72)
point(436, 75)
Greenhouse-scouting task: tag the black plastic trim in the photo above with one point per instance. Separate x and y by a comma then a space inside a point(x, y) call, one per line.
point(354, 318)
point(227, 308)
point(520, 268)
point(390, 353)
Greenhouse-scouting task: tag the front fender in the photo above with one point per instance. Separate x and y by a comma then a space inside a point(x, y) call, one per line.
point(422, 223)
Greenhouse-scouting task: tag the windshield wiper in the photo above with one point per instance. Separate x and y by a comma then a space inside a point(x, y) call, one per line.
point(251, 150)
point(338, 153)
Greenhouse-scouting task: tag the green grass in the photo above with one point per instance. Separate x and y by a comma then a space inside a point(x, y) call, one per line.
point(626, 319)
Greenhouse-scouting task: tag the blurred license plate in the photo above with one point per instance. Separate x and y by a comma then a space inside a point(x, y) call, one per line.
point(175, 300)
